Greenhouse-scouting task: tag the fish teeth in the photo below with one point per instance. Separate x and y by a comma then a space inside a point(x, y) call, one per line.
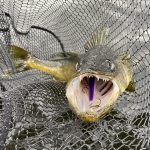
point(105, 80)
point(80, 78)
point(97, 77)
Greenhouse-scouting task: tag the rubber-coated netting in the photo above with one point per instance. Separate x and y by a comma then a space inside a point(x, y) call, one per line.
point(30, 119)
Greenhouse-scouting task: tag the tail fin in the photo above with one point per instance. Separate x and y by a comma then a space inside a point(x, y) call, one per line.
point(19, 57)
point(18, 53)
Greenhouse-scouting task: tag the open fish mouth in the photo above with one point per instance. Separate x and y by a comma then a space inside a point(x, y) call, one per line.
point(95, 85)
point(90, 93)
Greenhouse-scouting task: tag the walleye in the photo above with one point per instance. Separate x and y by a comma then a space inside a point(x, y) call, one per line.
point(94, 80)
point(101, 77)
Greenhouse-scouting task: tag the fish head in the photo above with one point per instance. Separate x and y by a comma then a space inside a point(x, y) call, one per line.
point(100, 79)
point(93, 91)
point(99, 60)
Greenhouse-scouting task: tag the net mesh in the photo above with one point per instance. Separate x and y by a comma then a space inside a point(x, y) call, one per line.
point(30, 118)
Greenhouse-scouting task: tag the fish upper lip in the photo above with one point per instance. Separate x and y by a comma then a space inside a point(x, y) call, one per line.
point(94, 73)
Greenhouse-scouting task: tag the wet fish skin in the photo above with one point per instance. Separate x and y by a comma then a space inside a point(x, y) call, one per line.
point(60, 67)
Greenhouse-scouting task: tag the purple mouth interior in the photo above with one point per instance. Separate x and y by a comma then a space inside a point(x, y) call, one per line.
point(95, 88)
point(91, 88)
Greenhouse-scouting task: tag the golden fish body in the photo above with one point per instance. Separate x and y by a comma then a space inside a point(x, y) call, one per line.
point(60, 67)
point(58, 70)
point(125, 72)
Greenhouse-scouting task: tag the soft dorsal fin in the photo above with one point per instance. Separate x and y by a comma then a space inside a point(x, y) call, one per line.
point(97, 38)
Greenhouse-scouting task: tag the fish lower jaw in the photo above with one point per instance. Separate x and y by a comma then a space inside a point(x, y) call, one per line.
point(92, 117)
point(88, 117)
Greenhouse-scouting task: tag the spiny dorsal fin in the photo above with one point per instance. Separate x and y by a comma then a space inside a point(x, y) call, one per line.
point(125, 56)
point(97, 38)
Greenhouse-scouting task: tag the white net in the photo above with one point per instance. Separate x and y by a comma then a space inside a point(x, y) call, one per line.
point(34, 113)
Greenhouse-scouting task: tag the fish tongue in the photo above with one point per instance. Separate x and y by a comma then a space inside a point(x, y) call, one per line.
point(91, 88)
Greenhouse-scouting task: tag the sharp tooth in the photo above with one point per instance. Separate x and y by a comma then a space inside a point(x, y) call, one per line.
point(80, 78)
point(97, 78)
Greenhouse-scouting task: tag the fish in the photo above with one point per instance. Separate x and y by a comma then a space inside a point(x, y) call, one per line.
point(60, 67)
point(93, 80)
point(101, 77)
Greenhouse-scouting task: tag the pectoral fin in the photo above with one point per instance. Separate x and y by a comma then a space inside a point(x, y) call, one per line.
point(131, 87)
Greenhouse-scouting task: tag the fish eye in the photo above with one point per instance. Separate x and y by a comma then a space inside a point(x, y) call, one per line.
point(110, 65)
point(78, 65)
